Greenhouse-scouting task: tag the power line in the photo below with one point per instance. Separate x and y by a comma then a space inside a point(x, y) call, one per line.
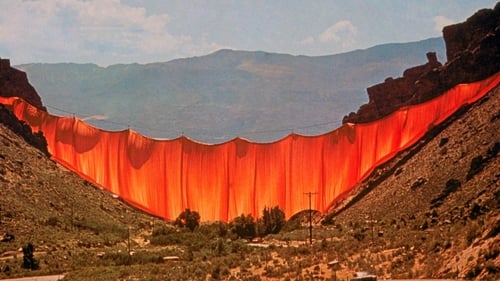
point(310, 216)
point(85, 116)
point(290, 129)
point(142, 128)
point(319, 124)
point(59, 109)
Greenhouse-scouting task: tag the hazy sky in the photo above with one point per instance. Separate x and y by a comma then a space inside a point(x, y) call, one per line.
point(113, 31)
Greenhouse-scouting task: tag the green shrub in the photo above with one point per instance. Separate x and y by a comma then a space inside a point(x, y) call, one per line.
point(219, 248)
point(219, 272)
point(272, 220)
point(304, 250)
point(292, 225)
point(359, 234)
point(244, 226)
point(29, 261)
point(166, 239)
point(52, 221)
point(213, 230)
point(189, 219)
point(239, 247)
point(163, 230)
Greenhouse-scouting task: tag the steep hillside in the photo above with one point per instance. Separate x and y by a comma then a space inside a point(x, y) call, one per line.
point(434, 210)
point(66, 218)
point(256, 95)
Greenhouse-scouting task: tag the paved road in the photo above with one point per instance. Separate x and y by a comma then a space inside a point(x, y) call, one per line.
point(38, 278)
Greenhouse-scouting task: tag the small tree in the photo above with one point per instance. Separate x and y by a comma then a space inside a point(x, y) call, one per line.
point(189, 219)
point(29, 261)
point(272, 220)
point(244, 226)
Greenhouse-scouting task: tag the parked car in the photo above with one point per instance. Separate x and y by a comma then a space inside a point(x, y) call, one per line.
point(364, 276)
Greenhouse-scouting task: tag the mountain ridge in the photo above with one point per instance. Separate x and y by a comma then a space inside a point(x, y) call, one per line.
point(399, 45)
point(226, 94)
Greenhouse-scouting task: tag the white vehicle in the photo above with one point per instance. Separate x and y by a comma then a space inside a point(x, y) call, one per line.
point(364, 276)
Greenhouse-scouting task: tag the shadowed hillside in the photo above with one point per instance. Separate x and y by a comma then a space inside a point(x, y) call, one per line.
point(66, 218)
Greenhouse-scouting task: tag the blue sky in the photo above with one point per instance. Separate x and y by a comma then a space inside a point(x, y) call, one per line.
point(112, 31)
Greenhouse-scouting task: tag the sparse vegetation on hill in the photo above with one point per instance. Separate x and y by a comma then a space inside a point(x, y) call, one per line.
point(65, 218)
point(429, 213)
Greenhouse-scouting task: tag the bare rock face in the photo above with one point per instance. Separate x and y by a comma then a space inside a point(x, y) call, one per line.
point(14, 83)
point(473, 52)
point(393, 93)
point(465, 36)
point(24, 130)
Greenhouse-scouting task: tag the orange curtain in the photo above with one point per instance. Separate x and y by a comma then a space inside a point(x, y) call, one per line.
point(222, 181)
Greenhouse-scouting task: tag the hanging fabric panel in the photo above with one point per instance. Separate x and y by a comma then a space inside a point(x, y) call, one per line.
point(223, 181)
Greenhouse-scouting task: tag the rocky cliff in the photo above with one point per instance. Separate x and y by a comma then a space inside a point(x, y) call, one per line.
point(14, 83)
point(23, 130)
point(473, 53)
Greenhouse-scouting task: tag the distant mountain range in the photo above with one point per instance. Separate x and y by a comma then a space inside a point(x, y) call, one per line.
point(255, 95)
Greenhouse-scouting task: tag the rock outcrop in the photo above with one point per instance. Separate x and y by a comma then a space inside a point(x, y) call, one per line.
point(393, 93)
point(473, 53)
point(14, 83)
point(23, 130)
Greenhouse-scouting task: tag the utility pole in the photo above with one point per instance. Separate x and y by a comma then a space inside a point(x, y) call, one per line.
point(72, 215)
point(128, 238)
point(310, 216)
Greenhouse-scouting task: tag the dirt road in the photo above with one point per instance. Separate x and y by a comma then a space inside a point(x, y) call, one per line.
point(38, 278)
